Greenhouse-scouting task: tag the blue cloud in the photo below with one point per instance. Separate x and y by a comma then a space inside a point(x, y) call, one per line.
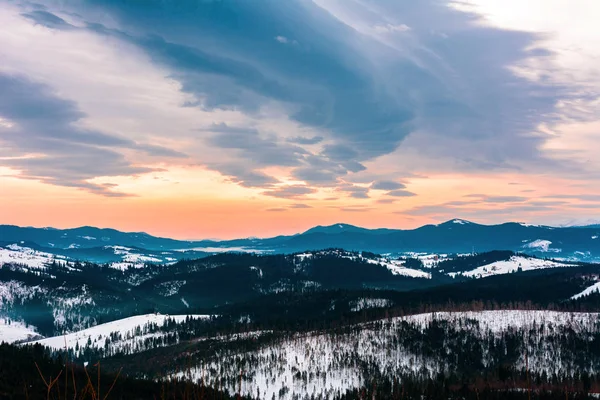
point(47, 19)
point(67, 154)
point(306, 140)
point(400, 193)
point(444, 82)
point(241, 67)
point(387, 185)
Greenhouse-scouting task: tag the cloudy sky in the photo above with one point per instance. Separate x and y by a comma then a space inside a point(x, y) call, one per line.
point(230, 118)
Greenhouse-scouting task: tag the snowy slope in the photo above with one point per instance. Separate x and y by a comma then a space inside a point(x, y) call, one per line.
point(125, 257)
point(15, 291)
point(501, 320)
point(130, 258)
point(365, 303)
point(15, 254)
point(126, 328)
point(512, 265)
point(397, 268)
point(13, 331)
point(327, 364)
point(595, 288)
point(429, 260)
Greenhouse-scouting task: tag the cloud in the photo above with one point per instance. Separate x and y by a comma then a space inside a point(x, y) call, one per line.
point(355, 209)
point(242, 175)
point(327, 92)
point(444, 212)
point(339, 152)
point(276, 209)
point(316, 176)
point(400, 193)
point(548, 203)
point(458, 203)
point(253, 148)
point(385, 201)
point(160, 151)
point(391, 28)
point(595, 206)
point(260, 150)
point(505, 199)
point(47, 143)
point(467, 117)
point(47, 19)
point(290, 192)
point(355, 192)
point(300, 205)
point(582, 197)
point(372, 91)
point(306, 140)
point(387, 185)
point(284, 40)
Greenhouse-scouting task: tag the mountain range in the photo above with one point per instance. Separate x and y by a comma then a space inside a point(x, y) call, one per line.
point(456, 236)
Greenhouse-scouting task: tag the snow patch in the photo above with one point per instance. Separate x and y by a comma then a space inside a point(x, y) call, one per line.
point(170, 288)
point(15, 254)
point(513, 265)
point(541, 245)
point(303, 256)
point(234, 249)
point(397, 268)
point(364, 303)
point(126, 328)
point(15, 331)
point(15, 291)
point(595, 288)
point(258, 271)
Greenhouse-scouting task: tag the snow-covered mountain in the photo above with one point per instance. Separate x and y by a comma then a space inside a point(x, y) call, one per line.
point(326, 364)
point(452, 237)
point(120, 257)
point(57, 295)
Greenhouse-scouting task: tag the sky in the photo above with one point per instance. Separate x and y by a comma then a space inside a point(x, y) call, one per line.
point(234, 118)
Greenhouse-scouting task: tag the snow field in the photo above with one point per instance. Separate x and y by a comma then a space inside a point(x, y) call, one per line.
point(326, 364)
point(14, 331)
point(512, 265)
point(126, 327)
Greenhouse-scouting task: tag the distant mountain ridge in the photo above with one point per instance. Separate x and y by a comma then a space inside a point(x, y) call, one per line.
point(85, 236)
point(453, 236)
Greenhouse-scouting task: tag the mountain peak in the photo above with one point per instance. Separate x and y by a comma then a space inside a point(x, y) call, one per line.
point(457, 221)
point(335, 228)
